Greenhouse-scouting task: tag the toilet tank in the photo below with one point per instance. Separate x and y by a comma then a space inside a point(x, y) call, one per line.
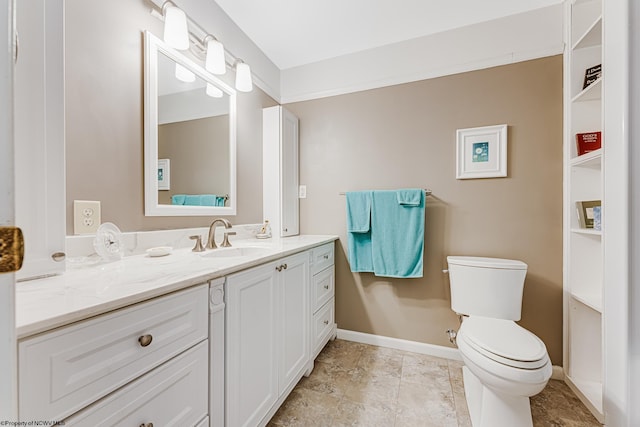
point(489, 287)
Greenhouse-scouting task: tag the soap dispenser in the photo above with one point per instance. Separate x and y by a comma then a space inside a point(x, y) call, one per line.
point(265, 231)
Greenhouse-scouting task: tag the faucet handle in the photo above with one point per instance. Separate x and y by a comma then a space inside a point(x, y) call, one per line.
point(198, 247)
point(225, 241)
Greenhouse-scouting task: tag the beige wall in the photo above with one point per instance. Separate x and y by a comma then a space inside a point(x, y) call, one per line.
point(199, 154)
point(404, 136)
point(104, 119)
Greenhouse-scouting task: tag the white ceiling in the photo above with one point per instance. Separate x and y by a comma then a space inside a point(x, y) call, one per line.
point(298, 32)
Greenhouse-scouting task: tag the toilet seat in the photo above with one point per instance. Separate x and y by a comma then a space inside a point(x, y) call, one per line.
point(505, 342)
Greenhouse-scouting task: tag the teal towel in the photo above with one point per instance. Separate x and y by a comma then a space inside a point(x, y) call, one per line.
point(219, 201)
point(208, 200)
point(178, 199)
point(410, 196)
point(359, 230)
point(397, 234)
point(192, 200)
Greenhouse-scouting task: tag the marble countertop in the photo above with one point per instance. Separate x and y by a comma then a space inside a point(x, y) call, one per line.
point(89, 290)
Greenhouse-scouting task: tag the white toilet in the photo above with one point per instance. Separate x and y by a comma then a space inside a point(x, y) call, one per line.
point(504, 363)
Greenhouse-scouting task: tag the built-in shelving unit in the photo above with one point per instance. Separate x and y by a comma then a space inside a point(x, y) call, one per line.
point(583, 247)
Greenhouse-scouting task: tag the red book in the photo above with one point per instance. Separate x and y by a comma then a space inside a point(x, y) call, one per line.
point(587, 142)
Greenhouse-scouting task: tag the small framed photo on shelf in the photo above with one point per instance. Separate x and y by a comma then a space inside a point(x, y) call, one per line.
point(481, 152)
point(164, 174)
point(589, 214)
point(591, 75)
point(587, 142)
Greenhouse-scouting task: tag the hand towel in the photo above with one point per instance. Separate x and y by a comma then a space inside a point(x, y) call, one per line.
point(397, 234)
point(178, 199)
point(219, 201)
point(410, 196)
point(359, 231)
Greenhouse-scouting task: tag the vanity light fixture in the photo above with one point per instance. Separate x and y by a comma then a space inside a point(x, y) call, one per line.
point(184, 75)
point(181, 32)
point(243, 76)
point(214, 61)
point(213, 91)
point(176, 32)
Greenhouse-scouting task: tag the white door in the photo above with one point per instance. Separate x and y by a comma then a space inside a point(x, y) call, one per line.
point(8, 364)
point(293, 283)
point(289, 170)
point(251, 310)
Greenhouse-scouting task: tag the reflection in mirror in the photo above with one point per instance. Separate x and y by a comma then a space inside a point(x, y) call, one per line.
point(189, 136)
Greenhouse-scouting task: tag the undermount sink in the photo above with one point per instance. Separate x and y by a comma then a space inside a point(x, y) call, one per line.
point(234, 252)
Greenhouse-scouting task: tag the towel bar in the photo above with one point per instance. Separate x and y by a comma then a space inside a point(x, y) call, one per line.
point(427, 192)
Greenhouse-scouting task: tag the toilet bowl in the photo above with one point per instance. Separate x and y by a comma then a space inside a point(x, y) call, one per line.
point(504, 364)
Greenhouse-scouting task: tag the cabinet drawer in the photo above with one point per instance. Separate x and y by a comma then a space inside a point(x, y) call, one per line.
point(323, 323)
point(322, 287)
point(62, 371)
point(321, 257)
point(174, 394)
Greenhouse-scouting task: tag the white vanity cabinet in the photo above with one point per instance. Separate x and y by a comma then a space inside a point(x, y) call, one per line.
point(323, 325)
point(67, 369)
point(267, 331)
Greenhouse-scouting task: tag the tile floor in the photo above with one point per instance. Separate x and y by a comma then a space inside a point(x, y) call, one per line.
point(359, 384)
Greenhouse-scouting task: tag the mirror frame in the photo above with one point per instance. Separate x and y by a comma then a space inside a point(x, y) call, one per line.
point(153, 45)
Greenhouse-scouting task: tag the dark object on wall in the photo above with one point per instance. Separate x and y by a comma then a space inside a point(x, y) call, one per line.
point(591, 75)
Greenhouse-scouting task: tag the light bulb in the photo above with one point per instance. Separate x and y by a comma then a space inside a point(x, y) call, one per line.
point(213, 91)
point(176, 33)
point(184, 75)
point(243, 77)
point(215, 57)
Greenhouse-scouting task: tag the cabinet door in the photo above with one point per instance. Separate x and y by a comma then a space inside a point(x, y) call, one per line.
point(289, 171)
point(293, 283)
point(251, 382)
point(39, 134)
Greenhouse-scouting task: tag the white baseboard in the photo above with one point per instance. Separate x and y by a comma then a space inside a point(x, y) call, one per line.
point(418, 347)
point(400, 344)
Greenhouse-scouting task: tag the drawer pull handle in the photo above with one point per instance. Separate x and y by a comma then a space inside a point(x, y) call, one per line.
point(144, 341)
point(326, 322)
point(326, 256)
point(326, 286)
point(146, 425)
point(281, 267)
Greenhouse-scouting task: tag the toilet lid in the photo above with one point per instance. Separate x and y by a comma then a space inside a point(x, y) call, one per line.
point(505, 342)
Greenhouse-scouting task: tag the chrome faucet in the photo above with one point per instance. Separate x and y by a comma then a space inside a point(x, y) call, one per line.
point(211, 243)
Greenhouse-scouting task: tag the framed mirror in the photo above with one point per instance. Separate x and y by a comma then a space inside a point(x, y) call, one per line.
point(189, 136)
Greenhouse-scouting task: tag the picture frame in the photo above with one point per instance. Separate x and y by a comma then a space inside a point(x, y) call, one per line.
point(481, 152)
point(586, 214)
point(164, 174)
point(591, 75)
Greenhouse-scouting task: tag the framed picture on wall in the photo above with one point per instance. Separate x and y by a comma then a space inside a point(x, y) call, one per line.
point(164, 174)
point(589, 214)
point(481, 152)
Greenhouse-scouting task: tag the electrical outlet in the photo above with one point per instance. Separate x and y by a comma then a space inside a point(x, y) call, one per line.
point(86, 216)
point(302, 192)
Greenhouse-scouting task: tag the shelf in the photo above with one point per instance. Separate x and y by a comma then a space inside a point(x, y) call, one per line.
point(589, 160)
point(593, 92)
point(587, 231)
point(590, 393)
point(591, 37)
point(592, 301)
